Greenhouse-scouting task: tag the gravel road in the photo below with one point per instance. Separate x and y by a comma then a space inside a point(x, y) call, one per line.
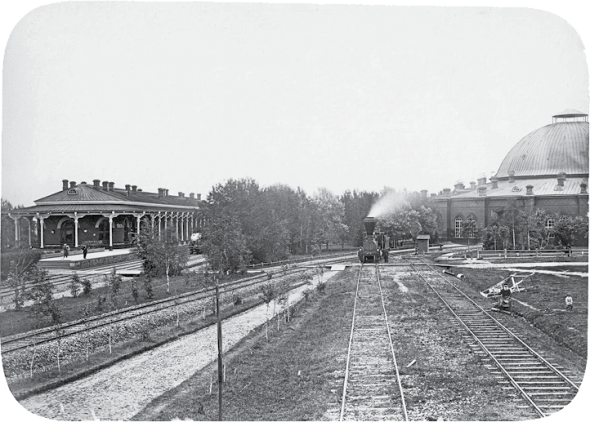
point(122, 390)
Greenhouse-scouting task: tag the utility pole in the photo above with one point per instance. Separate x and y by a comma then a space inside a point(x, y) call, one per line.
point(219, 349)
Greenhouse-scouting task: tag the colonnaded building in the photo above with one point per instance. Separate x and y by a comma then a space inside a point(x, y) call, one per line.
point(102, 215)
point(547, 169)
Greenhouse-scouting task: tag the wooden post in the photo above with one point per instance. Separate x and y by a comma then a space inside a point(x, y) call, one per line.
point(219, 350)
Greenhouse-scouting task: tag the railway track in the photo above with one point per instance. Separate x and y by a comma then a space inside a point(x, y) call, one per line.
point(22, 341)
point(543, 386)
point(372, 387)
point(62, 279)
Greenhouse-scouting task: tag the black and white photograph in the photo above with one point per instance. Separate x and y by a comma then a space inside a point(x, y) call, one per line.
point(264, 211)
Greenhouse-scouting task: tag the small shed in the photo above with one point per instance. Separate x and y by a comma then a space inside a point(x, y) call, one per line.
point(423, 243)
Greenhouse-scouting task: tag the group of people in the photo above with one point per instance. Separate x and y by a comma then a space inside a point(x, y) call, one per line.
point(66, 251)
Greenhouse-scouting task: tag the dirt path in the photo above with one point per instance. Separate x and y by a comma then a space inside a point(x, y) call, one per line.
point(122, 390)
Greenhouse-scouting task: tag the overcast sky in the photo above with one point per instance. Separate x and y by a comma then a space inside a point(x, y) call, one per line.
point(185, 96)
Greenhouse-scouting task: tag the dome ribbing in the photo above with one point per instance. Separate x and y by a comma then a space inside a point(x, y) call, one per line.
point(547, 151)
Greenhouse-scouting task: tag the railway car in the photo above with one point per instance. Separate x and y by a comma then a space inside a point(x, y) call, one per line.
point(374, 244)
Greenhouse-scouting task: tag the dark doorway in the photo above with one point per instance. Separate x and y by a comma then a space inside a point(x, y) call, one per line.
point(103, 232)
point(67, 232)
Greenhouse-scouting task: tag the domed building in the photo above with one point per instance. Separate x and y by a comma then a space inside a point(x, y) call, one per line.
point(547, 169)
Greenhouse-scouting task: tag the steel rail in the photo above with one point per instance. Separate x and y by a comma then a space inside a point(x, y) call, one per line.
point(512, 336)
point(350, 345)
point(399, 382)
point(507, 330)
point(498, 364)
point(118, 316)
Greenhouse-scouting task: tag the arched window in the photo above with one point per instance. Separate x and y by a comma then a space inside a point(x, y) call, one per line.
point(458, 226)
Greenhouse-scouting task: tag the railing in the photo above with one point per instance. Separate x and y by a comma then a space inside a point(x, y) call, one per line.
point(505, 253)
point(299, 259)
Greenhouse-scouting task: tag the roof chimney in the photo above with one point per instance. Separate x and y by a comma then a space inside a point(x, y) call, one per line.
point(447, 192)
point(192, 195)
point(180, 195)
point(198, 196)
point(529, 189)
point(481, 181)
point(472, 185)
point(111, 186)
point(72, 184)
point(424, 193)
point(459, 186)
point(511, 176)
point(65, 184)
point(105, 185)
point(481, 190)
point(134, 188)
point(583, 188)
point(127, 187)
point(561, 178)
point(494, 181)
point(160, 192)
point(432, 195)
point(96, 184)
point(165, 192)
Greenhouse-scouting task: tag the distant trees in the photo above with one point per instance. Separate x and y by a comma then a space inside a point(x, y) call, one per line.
point(160, 253)
point(514, 228)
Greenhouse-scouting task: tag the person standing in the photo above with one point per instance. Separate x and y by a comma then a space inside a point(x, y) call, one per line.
point(84, 251)
point(66, 251)
point(569, 303)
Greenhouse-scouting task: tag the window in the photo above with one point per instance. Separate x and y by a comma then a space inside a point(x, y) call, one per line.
point(458, 224)
point(550, 223)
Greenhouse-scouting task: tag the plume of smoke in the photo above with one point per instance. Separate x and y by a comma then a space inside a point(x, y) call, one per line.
point(389, 201)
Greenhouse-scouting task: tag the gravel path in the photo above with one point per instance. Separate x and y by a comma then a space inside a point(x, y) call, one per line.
point(122, 390)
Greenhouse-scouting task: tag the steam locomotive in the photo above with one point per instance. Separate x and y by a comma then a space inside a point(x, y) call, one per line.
point(374, 243)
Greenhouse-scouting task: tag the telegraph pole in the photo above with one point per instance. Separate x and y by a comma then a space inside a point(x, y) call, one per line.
point(219, 350)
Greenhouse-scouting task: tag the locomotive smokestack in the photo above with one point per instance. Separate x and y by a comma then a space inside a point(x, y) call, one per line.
point(370, 223)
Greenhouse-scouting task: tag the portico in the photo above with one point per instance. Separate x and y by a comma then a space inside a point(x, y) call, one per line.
point(104, 216)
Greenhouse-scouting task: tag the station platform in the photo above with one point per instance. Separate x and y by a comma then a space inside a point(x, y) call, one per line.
point(93, 259)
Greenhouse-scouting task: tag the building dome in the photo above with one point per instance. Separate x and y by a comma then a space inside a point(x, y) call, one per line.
point(559, 147)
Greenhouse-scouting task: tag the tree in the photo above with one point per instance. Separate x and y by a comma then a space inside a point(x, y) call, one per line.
point(224, 244)
point(469, 229)
point(75, 284)
point(329, 217)
point(568, 228)
point(40, 293)
point(161, 255)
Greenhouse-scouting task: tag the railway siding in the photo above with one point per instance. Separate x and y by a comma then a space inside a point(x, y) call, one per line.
point(100, 338)
point(542, 386)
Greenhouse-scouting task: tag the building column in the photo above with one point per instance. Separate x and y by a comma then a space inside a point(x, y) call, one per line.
point(16, 234)
point(111, 231)
point(75, 229)
point(176, 218)
point(41, 221)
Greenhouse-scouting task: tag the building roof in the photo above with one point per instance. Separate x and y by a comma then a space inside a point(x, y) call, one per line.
point(570, 112)
point(548, 151)
point(85, 198)
point(541, 186)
